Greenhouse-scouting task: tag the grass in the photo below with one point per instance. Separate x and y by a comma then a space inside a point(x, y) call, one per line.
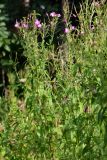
point(61, 113)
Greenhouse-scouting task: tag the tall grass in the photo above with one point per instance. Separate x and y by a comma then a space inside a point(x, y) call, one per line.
point(62, 112)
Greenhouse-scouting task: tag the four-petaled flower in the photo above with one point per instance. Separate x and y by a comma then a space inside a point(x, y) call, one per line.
point(38, 24)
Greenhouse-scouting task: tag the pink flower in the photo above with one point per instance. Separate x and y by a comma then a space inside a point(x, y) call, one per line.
point(53, 14)
point(37, 23)
point(66, 30)
point(24, 25)
point(58, 15)
point(39, 26)
point(17, 24)
point(72, 27)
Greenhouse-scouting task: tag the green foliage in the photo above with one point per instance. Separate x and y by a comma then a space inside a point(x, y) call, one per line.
point(4, 33)
point(64, 118)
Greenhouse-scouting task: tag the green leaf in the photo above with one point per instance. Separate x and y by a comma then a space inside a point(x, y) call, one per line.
point(6, 62)
point(7, 48)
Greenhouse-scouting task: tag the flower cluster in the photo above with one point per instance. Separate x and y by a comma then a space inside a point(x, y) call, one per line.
point(38, 24)
point(18, 25)
point(21, 25)
point(71, 28)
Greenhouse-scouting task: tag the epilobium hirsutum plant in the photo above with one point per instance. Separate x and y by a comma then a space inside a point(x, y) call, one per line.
point(62, 114)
